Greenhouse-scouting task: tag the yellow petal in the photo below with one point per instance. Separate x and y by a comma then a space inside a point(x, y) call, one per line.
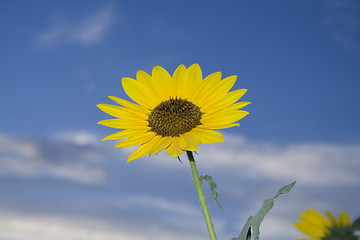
point(219, 119)
point(333, 219)
point(127, 133)
point(131, 106)
point(320, 217)
point(148, 83)
point(227, 115)
point(240, 105)
point(123, 124)
point(208, 136)
point(227, 100)
point(136, 140)
point(235, 106)
point(312, 220)
point(309, 229)
point(137, 92)
point(160, 143)
point(192, 81)
point(207, 87)
point(218, 126)
point(179, 81)
point(142, 150)
point(163, 83)
point(121, 112)
point(189, 141)
point(174, 149)
point(344, 219)
point(221, 90)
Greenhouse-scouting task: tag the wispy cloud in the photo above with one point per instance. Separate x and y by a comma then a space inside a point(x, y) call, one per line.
point(73, 158)
point(20, 226)
point(160, 204)
point(87, 31)
point(342, 21)
point(310, 163)
point(68, 153)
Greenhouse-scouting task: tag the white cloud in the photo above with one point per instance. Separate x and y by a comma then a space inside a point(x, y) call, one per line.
point(341, 20)
point(87, 31)
point(161, 205)
point(171, 220)
point(76, 137)
point(354, 4)
point(67, 154)
point(18, 226)
point(72, 159)
point(90, 87)
point(275, 227)
point(308, 163)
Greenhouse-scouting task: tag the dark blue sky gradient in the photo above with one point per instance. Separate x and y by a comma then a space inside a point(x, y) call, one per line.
point(303, 84)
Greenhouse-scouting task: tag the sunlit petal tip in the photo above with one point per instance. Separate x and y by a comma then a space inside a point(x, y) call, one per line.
point(332, 217)
point(231, 78)
point(105, 138)
point(143, 77)
point(101, 122)
point(127, 78)
point(158, 70)
point(112, 97)
point(195, 65)
point(344, 219)
point(132, 157)
point(181, 67)
point(141, 72)
point(103, 106)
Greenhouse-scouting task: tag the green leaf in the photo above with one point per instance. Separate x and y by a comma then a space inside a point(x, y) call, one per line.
point(213, 186)
point(356, 225)
point(246, 231)
point(285, 189)
point(259, 217)
point(254, 222)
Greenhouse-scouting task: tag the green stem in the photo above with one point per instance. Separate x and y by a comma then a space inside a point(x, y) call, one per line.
point(200, 193)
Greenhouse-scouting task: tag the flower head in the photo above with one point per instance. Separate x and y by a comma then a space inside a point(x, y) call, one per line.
point(320, 227)
point(175, 113)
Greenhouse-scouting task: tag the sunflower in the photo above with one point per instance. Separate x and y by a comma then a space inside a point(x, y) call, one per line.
point(175, 113)
point(317, 226)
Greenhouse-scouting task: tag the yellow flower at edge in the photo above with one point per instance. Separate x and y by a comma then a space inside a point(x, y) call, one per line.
point(317, 226)
point(175, 113)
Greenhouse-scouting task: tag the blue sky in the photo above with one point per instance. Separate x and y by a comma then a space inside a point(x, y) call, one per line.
point(298, 59)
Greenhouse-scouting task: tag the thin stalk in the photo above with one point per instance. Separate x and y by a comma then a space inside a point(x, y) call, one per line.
point(200, 193)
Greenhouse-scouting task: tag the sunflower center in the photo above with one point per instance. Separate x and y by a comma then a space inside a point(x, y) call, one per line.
point(174, 117)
